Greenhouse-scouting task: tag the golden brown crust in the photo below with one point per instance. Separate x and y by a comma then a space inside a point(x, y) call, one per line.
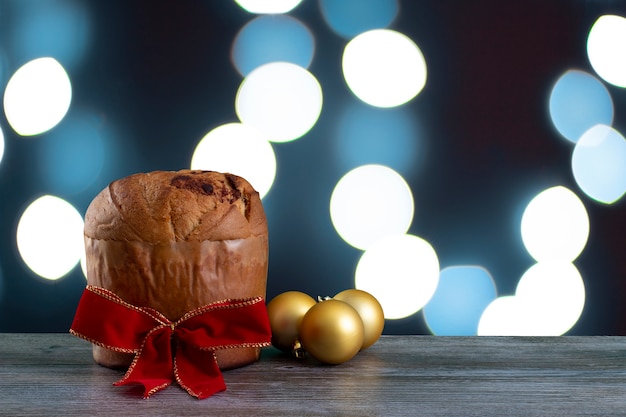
point(177, 277)
point(176, 241)
point(164, 206)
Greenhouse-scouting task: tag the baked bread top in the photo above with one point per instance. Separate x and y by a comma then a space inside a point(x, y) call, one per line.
point(168, 206)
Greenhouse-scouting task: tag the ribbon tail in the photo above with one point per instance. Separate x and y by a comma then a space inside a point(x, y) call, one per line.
point(152, 366)
point(197, 371)
point(150, 386)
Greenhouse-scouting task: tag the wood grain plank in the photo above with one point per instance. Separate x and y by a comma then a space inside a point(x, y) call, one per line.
point(53, 374)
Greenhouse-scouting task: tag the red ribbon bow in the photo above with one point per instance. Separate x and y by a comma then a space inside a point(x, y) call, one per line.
point(166, 351)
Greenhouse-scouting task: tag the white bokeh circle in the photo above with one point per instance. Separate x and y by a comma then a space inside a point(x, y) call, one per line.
point(605, 49)
point(401, 271)
point(50, 237)
point(554, 296)
point(384, 68)
point(555, 225)
point(369, 203)
point(268, 6)
point(37, 96)
point(281, 99)
point(548, 301)
point(238, 149)
point(504, 316)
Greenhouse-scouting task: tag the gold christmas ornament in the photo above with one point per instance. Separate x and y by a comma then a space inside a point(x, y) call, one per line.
point(285, 312)
point(369, 309)
point(332, 332)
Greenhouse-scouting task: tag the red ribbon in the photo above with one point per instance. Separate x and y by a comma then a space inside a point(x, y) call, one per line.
point(165, 351)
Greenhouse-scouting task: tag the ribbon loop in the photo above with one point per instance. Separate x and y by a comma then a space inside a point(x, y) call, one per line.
point(150, 336)
point(124, 328)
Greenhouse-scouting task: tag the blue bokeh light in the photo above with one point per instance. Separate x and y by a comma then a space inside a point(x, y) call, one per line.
point(369, 135)
point(59, 29)
point(579, 101)
point(272, 38)
point(72, 156)
point(348, 18)
point(461, 297)
point(599, 164)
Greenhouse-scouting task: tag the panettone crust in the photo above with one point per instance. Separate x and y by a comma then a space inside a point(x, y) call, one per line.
point(166, 206)
point(175, 241)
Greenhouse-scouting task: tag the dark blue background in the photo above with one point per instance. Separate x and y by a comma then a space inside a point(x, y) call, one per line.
point(158, 73)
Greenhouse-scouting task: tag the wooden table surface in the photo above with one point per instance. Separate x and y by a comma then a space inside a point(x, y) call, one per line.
point(54, 374)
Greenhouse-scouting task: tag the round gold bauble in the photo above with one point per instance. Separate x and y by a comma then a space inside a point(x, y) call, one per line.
point(332, 332)
point(369, 309)
point(285, 313)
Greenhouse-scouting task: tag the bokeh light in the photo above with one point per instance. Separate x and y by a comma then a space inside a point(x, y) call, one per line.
point(548, 301)
point(240, 150)
point(371, 128)
point(60, 29)
point(369, 135)
point(605, 49)
point(281, 99)
point(50, 237)
point(401, 271)
point(72, 156)
point(37, 96)
point(599, 164)
point(369, 203)
point(504, 316)
point(555, 225)
point(579, 101)
point(268, 6)
point(554, 296)
point(272, 38)
point(461, 297)
point(348, 18)
point(384, 68)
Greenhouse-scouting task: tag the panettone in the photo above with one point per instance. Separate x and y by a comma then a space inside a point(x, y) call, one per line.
point(175, 241)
